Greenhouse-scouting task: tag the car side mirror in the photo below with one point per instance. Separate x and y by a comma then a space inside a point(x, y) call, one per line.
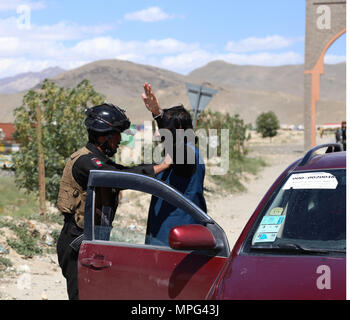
point(191, 237)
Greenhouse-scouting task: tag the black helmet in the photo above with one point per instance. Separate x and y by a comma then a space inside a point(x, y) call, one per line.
point(105, 118)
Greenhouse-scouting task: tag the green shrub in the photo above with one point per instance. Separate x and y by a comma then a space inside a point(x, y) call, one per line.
point(27, 243)
point(267, 124)
point(239, 162)
point(5, 263)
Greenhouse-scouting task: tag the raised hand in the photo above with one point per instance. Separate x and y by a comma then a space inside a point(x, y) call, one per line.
point(150, 99)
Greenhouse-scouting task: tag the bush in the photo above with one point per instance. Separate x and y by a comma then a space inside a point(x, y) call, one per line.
point(238, 130)
point(27, 243)
point(239, 162)
point(267, 124)
point(5, 263)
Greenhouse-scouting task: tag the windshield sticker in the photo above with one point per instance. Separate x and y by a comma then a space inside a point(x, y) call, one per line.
point(276, 211)
point(272, 220)
point(311, 180)
point(268, 228)
point(265, 237)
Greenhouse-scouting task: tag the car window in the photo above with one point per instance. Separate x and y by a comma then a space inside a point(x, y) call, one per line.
point(139, 218)
point(309, 210)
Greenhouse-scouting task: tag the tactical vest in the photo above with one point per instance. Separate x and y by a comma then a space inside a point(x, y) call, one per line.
point(72, 197)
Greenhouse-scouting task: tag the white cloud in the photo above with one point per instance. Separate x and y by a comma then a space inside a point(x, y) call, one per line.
point(6, 5)
point(260, 44)
point(168, 45)
point(70, 45)
point(21, 54)
point(108, 47)
point(186, 62)
point(60, 31)
point(129, 57)
point(265, 58)
point(168, 53)
point(151, 14)
point(9, 46)
point(12, 66)
point(333, 59)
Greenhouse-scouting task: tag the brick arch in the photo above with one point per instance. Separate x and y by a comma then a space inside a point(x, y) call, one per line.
point(316, 72)
point(325, 23)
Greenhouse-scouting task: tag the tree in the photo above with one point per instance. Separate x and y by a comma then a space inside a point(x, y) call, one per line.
point(267, 124)
point(63, 132)
point(238, 151)
point(238, 130)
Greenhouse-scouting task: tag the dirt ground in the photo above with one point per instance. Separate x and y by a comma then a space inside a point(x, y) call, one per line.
point(40, 278)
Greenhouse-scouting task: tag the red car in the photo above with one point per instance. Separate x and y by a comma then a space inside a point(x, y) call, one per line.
point(293, 246)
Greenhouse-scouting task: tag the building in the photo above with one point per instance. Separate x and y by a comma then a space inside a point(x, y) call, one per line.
point(6, 132)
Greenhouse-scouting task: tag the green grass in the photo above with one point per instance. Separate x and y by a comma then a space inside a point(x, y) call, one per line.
point(15, 202)
point(232, 180)
point(26, 243)
point(4, 263)
point(249, 165)
point(21, 205)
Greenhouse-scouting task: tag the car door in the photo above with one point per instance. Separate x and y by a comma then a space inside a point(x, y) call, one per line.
point(115, 267)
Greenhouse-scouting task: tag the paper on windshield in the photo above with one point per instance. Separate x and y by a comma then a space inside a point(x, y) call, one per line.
point(268, 229)
point(311, 180)
point(276, 211)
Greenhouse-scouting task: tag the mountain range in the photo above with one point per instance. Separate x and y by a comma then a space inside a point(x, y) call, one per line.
point(25, 81)
point(244, 90)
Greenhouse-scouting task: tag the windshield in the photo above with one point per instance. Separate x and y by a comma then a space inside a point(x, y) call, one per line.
point(308, 212)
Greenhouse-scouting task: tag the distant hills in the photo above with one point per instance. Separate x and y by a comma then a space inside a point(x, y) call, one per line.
point(28, 80)
point(246, 90)
point(288, 79)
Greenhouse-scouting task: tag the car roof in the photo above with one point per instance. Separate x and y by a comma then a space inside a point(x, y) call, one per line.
point(334, 160)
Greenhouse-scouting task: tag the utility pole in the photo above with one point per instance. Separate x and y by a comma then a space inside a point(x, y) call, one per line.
point(41, 164)
point(196, 109)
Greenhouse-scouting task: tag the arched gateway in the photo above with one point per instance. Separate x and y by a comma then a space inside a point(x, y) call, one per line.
point(325, 22)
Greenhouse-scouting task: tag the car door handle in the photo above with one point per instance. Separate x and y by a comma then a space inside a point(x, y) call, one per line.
point(97, 262)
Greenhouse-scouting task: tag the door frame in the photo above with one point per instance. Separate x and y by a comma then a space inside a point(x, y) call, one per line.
point(158, 188)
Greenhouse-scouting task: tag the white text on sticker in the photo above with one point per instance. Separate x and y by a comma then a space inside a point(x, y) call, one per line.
point(311, 180)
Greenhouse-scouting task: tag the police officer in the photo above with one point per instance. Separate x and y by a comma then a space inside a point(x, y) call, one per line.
point(104, 124)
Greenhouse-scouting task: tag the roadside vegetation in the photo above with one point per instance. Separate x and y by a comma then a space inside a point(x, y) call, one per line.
point(22, 228)
point(267, 124)
point(14, 201)
point(241, 165)
point(26, 243)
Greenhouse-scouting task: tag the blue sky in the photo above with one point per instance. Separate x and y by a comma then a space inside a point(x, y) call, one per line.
point(175, 35)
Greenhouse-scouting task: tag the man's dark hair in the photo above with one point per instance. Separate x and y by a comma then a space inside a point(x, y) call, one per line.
point(177, 117)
